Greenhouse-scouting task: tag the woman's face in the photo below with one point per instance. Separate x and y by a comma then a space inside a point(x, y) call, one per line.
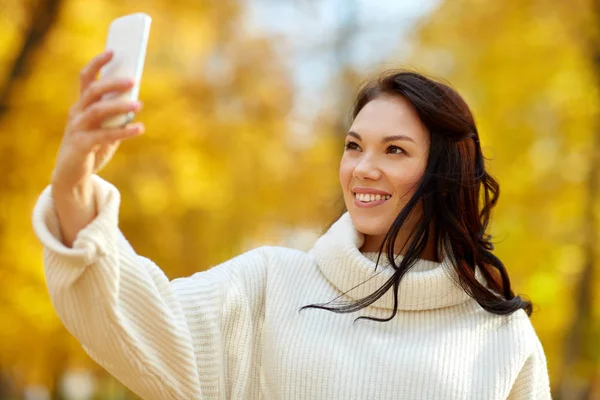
point(385, 156)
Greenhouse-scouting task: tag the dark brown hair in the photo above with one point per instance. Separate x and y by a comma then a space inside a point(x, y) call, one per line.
point(456, 193)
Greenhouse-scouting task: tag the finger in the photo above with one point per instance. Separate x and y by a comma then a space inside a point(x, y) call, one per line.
point(73, 111)
point(89, 73)
point(86, 141)
point(99, 88)
point(93, 116)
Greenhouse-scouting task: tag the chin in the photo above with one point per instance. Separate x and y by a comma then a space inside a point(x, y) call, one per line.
point(371, 225)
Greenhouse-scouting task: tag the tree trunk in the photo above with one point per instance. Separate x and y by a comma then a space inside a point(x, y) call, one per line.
point(579, 363)
point(44, 15)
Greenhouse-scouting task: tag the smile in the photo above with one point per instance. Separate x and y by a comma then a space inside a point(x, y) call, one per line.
point(365, 200)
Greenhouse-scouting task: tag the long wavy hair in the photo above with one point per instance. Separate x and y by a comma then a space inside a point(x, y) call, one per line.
point(456, 193)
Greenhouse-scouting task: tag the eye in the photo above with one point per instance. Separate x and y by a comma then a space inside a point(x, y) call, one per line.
point(351, 146)
point(395, 150)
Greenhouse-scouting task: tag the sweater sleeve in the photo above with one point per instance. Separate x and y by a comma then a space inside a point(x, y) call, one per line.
point(533, 382)
point(191, 338)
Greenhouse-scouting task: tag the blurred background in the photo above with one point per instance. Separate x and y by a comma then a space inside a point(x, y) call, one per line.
point(246, 104)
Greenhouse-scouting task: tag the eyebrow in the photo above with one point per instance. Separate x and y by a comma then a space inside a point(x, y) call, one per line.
point(385, 139)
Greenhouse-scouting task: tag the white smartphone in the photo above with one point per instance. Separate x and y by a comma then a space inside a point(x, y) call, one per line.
point(128, 39)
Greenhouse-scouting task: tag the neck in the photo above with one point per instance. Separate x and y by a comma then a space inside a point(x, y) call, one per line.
point(426, 286)
point(372, 243)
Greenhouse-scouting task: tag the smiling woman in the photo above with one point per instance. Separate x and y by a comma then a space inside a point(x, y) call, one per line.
point(445, 323)
point(414, 140)
point(376, 162)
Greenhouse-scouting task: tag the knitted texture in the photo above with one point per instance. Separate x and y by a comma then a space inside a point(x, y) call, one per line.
point(235, 330)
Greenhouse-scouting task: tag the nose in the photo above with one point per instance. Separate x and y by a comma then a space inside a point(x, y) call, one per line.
point(367, 169)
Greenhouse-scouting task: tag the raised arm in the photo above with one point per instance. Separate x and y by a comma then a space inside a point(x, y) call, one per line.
point(119, 306)
point(162, 339)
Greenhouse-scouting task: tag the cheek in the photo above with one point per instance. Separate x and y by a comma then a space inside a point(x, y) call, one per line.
point(406, 179)
point(346, 168)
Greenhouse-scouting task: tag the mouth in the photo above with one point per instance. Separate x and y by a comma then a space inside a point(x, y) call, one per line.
point(366, 200)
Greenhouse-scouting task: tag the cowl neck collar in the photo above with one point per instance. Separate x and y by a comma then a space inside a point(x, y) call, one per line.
point(427, 285)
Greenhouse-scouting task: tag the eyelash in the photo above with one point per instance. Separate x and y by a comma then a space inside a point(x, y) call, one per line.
point(347, 147)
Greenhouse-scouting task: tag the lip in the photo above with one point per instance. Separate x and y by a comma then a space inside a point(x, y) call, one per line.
point(370, 191)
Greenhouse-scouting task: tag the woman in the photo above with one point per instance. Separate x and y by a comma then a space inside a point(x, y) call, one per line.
point(439, 319)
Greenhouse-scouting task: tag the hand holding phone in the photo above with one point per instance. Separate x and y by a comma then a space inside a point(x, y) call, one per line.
point(128, 39)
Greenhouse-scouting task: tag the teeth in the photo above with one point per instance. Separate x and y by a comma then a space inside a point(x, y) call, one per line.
point(366, 198)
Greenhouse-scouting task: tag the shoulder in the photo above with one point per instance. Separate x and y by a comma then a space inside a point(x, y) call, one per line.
point(513, 334)
point(520, 327)
point(288, 261)
point(255, 264)
point(532, 379)
point(278, 254)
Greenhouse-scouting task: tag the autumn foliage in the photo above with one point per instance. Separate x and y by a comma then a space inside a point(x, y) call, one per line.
point(223, 166)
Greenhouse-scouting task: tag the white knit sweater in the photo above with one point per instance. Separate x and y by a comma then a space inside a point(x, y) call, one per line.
point(234, 331)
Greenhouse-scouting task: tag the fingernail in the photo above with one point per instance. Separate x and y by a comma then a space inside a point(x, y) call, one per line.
point(139, 127)
point(135, 105)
